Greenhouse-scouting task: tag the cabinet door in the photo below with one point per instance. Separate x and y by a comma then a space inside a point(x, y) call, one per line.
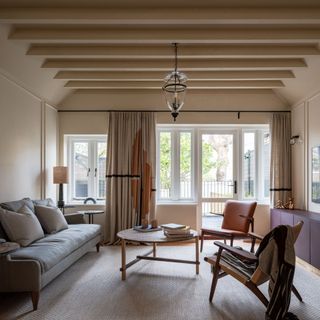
point(302, 245)
point(286, 218)
point(275, 218)
point(315, 241)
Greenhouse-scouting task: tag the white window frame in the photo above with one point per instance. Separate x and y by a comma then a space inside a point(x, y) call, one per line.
point(196, 131)
point(93, 180)
point(175, 164)
point(259, 131)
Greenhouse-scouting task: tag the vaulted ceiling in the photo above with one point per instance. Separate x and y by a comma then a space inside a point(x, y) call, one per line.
point(118, 48)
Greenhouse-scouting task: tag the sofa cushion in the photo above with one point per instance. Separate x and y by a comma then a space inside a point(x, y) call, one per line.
point(44, 202)
point(51, 219)
point(15, 206)
point(50, 250)
point(22, 227)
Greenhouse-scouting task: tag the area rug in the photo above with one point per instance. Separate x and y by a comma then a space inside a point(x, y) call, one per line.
point(92, 289)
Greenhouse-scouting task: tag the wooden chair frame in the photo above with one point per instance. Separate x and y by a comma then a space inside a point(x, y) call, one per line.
point(222, 268)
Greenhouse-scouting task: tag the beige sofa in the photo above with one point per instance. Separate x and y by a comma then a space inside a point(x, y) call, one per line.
point(29, 269)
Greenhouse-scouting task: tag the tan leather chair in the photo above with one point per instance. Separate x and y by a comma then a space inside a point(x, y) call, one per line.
point(237, 217)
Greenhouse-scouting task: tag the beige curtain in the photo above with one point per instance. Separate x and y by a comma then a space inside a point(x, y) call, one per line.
point(280, 166)
point(130, 195)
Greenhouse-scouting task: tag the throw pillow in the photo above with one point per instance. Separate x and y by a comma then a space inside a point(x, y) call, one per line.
point(44, 202)
point(51, 219)
point(23, 228)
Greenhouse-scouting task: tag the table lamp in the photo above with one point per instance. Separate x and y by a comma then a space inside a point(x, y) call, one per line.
point(60, 176)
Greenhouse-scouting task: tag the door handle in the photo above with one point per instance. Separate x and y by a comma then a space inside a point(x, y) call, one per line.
point(95, 172)
point(235, 187)
point(88, 172)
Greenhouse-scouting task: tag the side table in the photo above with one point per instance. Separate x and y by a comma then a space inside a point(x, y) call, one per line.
point(91, 213)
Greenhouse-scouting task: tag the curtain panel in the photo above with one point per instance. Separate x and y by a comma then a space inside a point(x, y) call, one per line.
point(280, 164)
point(130, 173)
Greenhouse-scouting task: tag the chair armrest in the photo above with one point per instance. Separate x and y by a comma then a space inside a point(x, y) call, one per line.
point(255, 236)
point(75, 218)
point(218, 232)
point(217, 214)
point(241, 254)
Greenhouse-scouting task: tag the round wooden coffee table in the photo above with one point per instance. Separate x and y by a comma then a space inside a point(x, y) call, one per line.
point(154, 237)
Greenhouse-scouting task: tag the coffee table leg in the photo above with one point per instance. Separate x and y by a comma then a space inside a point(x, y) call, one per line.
point(197, 254)
point(123, 259)
point(154, 249)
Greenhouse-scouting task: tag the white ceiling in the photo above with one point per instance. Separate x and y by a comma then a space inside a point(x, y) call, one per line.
point(116, 53)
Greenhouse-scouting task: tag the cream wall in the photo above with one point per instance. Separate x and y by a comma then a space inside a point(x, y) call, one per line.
point(28, 129)
point(305, 122)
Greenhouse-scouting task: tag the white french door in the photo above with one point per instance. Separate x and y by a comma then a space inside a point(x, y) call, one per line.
point(218, 169)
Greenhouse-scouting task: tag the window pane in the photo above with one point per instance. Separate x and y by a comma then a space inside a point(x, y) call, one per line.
point(165, 165)
point(81, 165)
point(266, 163)
point(217, 166)
point(249, 170)
point(185, 165)
point(102, 162)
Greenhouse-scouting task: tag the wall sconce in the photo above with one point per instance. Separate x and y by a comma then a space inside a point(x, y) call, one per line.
point(295, 139)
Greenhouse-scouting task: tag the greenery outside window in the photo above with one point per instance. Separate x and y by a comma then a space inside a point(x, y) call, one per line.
point(205, 164)
point(175, 164)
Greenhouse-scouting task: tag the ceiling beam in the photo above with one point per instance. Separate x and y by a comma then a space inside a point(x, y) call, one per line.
point(164, 34)
point(158, 75)
point(172, 15)
point(206, 85)
point(168, 65)
point(165, 51)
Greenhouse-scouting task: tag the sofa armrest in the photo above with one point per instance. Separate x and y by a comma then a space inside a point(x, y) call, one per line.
point(19, 275)
point(75, 218)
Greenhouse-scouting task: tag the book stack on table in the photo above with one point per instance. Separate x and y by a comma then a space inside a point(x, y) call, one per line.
point(176, 231)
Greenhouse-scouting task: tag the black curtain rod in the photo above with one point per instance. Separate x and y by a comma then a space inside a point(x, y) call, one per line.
point(184, 111)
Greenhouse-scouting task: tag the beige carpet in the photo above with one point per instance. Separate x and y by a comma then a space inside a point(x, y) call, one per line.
point(92, 289)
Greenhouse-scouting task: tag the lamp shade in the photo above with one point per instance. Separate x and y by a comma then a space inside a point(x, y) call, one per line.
point(60, 175)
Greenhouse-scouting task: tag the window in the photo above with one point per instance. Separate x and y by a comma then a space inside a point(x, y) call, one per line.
point(87, 164)
point(213, 164)
point(249, 165)
point(175, 164)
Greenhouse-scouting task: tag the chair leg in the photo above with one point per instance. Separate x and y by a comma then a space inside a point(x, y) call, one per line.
point(201, 244)
point(215, 276)
point(231, 242)
point(254, 289)
point(98, 247)
point(253, 244)
point(35, 299)
point(296, 293)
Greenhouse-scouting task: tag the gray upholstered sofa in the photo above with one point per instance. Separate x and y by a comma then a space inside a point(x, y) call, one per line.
point(30, 268)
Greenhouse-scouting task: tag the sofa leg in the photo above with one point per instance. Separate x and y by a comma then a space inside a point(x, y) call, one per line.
point(98, 247)
point(35, 299)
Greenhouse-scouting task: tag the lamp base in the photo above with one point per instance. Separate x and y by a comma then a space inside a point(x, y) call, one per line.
point(60, 204)
point(60, 201)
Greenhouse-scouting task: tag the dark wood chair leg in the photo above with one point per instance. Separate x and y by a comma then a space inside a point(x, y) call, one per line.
point(253, 244)
point(231, 242)
point(258, 293)
point(201, 244)
point(296, 293)
point(98, 247)
point(35, 299)
point(215, 276)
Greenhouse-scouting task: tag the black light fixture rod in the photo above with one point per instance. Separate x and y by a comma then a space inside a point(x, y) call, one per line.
point(176, 56)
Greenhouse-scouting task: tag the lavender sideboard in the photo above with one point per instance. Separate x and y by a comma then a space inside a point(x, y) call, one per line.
point(308, 244)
